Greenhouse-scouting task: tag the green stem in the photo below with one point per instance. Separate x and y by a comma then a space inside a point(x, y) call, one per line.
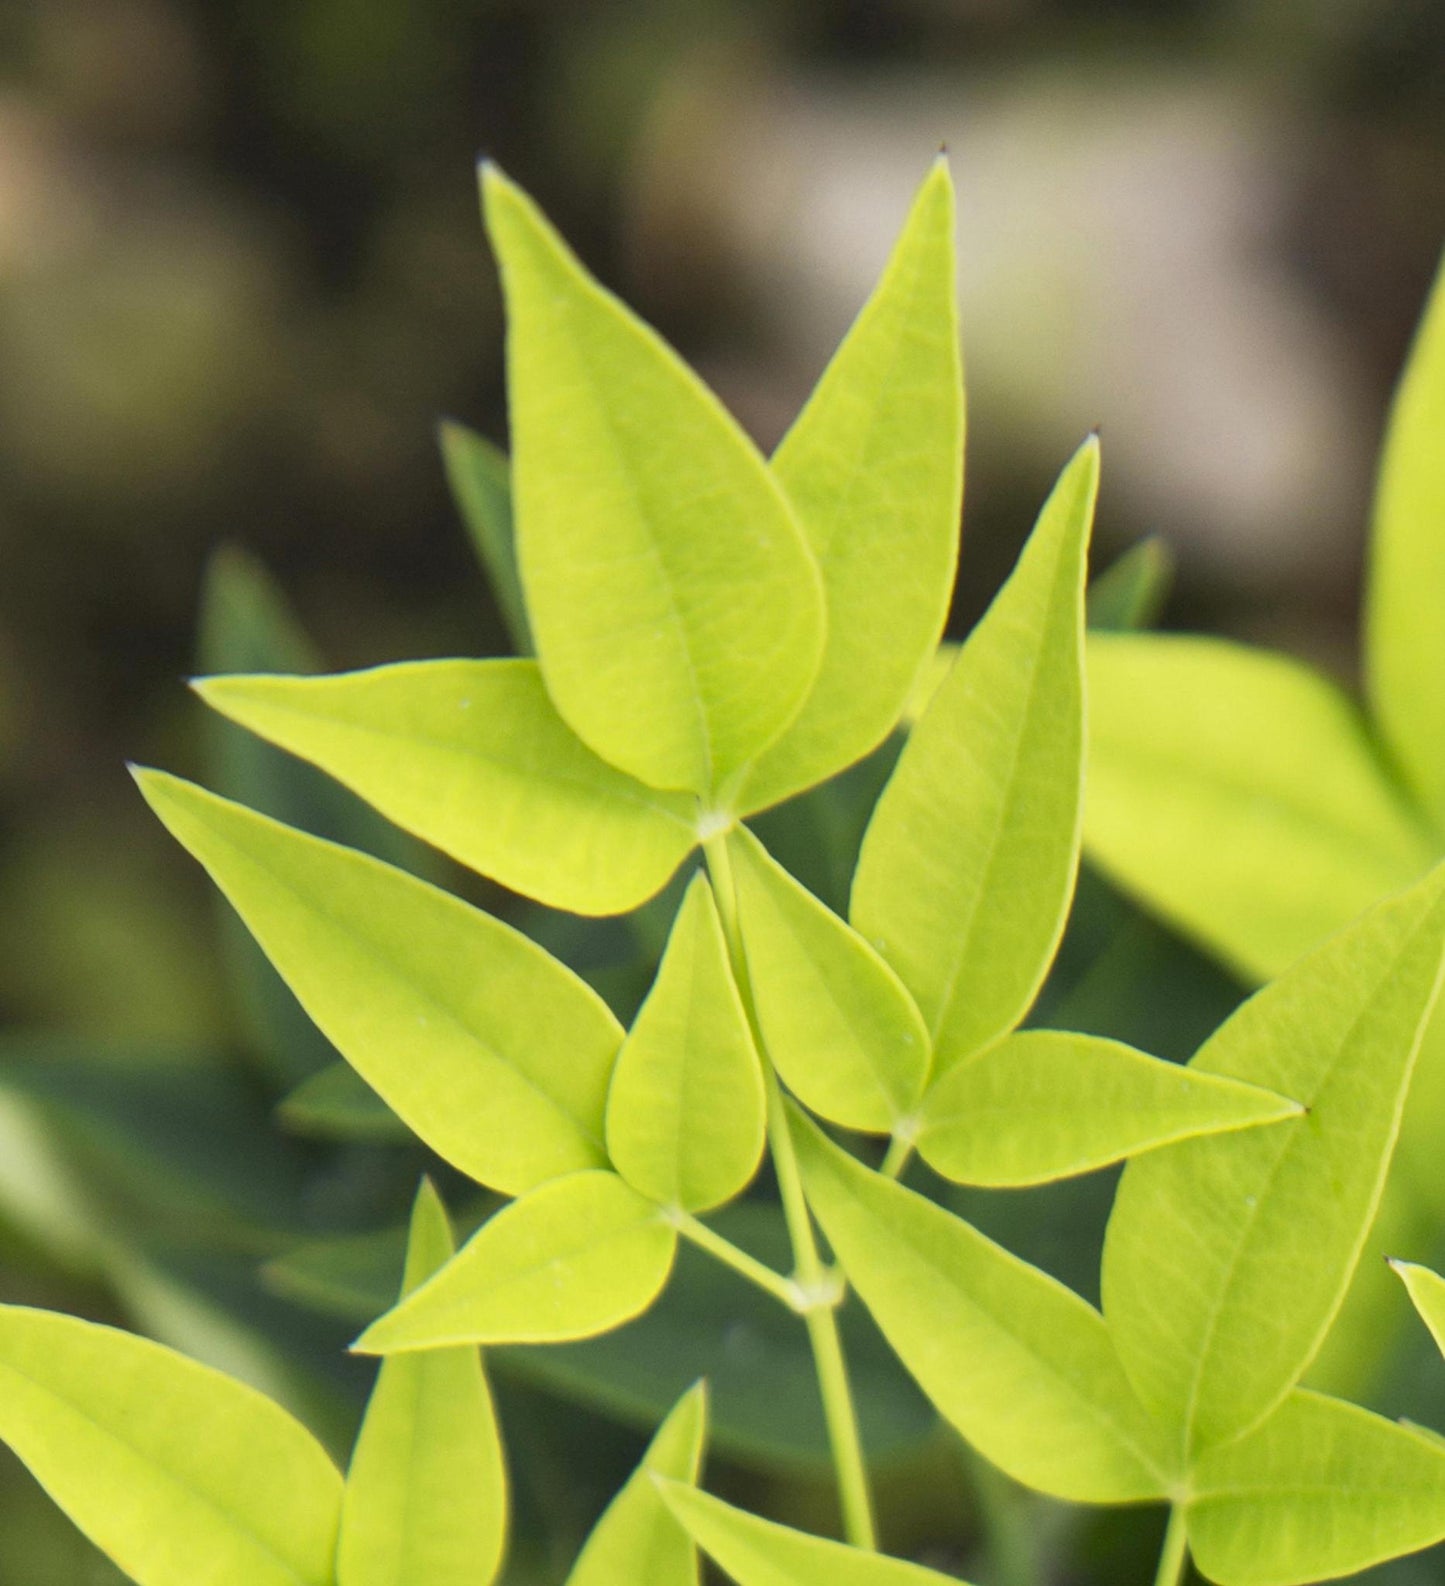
point(761, 1276)
point(900, 1149)
point(820, 1316)
point(1176, 1550)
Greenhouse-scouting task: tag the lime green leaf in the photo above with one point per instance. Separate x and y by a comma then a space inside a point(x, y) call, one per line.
point(337, 1103)
point(686, 1115)
point(637, 1542)
point(1130, 592)
point(426, 1495)
point(576, 1257)
point(1226, 1259)
point(178, 1473)
point(1018, 1363)
point(1043, 1105)
point(968, 865)
point(1405, 648)
point(677, 609)
point(488, 1048)
point(874, 469)
point(838, 1024)
point(756, 1552)
point(472, 756)
point(1239, 795)
point(1322, 1488)
point(481, 483)
point(1427, 1294)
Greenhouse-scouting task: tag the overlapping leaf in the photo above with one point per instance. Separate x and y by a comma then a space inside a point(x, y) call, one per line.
point(481, 482)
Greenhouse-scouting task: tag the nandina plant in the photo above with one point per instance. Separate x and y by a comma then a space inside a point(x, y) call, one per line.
point(715, 633)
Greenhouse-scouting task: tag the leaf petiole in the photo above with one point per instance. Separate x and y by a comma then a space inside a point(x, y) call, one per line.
point(785, 1290)
point(1175, 1554)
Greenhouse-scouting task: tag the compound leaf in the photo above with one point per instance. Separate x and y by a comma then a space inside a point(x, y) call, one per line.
point(677, 609)
point(757, 1552)
point(1322, 1488)
point(178, 1473)
point(493, 1052)
point(481, 483)
point(472, 756)
point(1404, 645)
point(838, 1024)
point(1043, 1105)
point(874, 469)
point(968, 864)
point(426, 1495)
point(1226, 1259)
point(576, 1257)
point(1020, 1364)
point(1238, 793)
point(686, 1114)
point(637, 1542)
point(1427, 1294)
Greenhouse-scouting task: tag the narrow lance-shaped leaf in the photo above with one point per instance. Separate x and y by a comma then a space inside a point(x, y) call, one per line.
point(493, 1052)
point(637, 1542)
point(757, 1552)
point(1226, 1259)
point(1322, 1488)
point(472, 756)
point(968, 864)
point(1427, 1294)
point(1404, 643)
point(337, 1103)
point(576, 1257)
point(1239, 795)
point(1020, 1364)
point(1043, 1105)
point(426, 1495)
point(1131, 592)
point(677, 609)
point(178, 1473)
point(686, 1114)
point(839, 1025)
point(481, 483)
point(874, 469)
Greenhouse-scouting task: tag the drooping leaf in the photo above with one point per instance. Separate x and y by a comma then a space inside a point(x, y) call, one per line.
point(839, 1025)
point(1322, 1488)
point(1227, 1258)
point(677, 609)
point(1042, 1105)
point(1405, 650)
point(338, 1104)
point(472, 756)
point(485, 1046)
point(1130, 593)
point(178, 1473)
point(577, 1256)
point(874, 469)
point(757, 1552)
point(1238, 794)
point(481, 483)
point(637, 1542)
point(426, 1494)
point(686, 1114)
point(968, 865)
point(1427, 1294)
point(1018, 1363)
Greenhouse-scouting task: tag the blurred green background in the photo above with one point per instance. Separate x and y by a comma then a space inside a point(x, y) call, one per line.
point(241, 278)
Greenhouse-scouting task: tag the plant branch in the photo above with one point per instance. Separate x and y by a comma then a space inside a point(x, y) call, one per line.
point(1175, 1555)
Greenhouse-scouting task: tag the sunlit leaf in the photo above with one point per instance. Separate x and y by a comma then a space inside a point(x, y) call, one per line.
point(471, 756)
point(677, 609)
point(874, 469)
point(1239, 795)
point(1227, 1258)
point(1041, 1105)
point(1018, 1363)
point(839, 1025)
point(686, 1111)
point(178, 1473)
point(481, 482)
point(968, 866)
point(1427, 1294)
point(426, 1494)
point(485, 1046)
point(1404, 643)
point(637, 1542)
point(578, 1256)
point(1322, 1488)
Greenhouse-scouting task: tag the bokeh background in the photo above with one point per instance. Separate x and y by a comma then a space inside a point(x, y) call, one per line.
point(242, 277)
